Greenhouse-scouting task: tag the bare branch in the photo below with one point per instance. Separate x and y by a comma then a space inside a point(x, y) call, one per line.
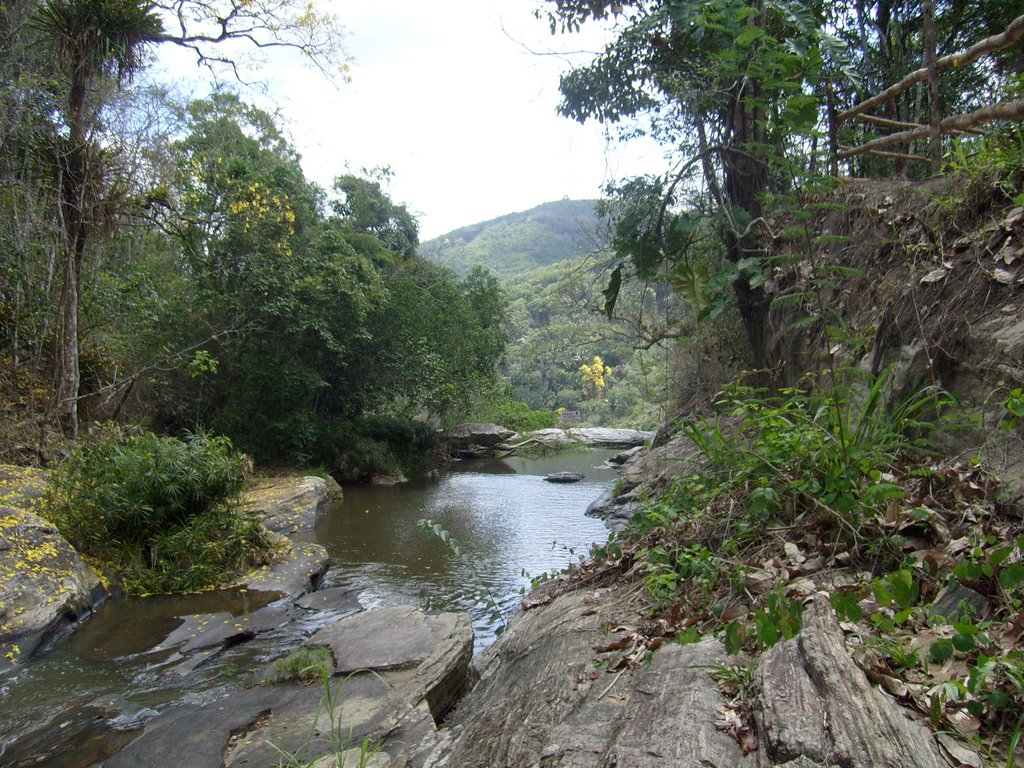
point(1004, 110)
point(203, 25)
point(992, 44)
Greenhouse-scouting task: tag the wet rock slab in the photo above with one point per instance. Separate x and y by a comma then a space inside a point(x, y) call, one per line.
point(399, 672)
point(438, 647)
point(300, 569)
point(335, 599)
point(564, 477)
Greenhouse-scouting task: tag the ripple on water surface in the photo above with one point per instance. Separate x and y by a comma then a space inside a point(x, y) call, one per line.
point(511, 524)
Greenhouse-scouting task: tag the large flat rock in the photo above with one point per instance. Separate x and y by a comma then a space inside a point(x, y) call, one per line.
point(597, 437)
point(485, 435)
point(437, 646)
point(391, 706)
point(288, 504)
point(44, 585)
point(610, 438)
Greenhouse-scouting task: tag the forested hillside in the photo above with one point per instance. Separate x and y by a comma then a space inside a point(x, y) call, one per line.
point(516, 243)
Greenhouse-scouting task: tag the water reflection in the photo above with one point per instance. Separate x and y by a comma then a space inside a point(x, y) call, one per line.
point(512, 526)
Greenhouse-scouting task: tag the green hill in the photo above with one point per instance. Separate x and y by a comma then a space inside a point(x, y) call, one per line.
point(516, 243)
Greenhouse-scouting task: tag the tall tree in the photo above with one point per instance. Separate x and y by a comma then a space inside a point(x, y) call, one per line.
point(364, 208)
point(729, 80)
point(96, 40)
point(101, 44)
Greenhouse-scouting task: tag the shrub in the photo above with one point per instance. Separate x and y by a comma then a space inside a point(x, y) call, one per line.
point(515, 415)
point(376, 445)
point(157, 510)
point(834, 460)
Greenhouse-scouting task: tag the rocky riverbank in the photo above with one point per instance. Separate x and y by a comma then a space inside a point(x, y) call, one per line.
point(46, 588)
point(589, 673)
point(476, 441)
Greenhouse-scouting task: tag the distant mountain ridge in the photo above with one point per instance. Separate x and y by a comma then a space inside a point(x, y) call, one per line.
point(516, 243)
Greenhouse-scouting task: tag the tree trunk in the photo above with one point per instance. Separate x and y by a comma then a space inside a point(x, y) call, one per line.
point(73, 166)
point(746, 179)
point(68, 371)
point(934, 108)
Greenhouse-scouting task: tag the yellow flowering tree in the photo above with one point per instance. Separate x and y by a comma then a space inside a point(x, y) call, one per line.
point(239, 193)
point(595, 377)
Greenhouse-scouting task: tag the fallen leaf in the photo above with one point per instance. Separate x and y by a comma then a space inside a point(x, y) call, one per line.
point(1004, 276)
point(759, 582)
point(793, 553)
point(812, 565)
point(801, 588)
point(617, 645)
point(748, 742)
point(965, 723)
point(536, 602)
point(892, 684)
point(935, 275)
point(956, 753)
point(734, 612)
point(1009, 253)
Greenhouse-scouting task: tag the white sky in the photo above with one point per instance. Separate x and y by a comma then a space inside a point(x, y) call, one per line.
point(450, 96)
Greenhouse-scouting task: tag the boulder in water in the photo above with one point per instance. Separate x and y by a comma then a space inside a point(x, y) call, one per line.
point(485, 435)
point(565, 477)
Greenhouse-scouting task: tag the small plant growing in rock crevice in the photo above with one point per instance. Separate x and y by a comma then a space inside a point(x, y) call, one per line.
point(342, 749)
point(306, 665)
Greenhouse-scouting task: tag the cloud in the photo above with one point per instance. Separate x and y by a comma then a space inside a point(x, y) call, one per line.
point(453, 96)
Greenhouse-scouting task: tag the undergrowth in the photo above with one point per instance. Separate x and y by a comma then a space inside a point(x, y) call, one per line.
point(157, 511)
point(802, 492)
point(793, 459)
point(306, 665)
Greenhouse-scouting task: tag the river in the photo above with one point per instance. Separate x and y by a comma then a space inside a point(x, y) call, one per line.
point(77, 703)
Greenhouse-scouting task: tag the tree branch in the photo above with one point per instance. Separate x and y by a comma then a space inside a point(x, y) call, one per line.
point(992, 44)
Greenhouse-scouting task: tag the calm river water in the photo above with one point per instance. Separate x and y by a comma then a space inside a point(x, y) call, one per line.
point(70, 707)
